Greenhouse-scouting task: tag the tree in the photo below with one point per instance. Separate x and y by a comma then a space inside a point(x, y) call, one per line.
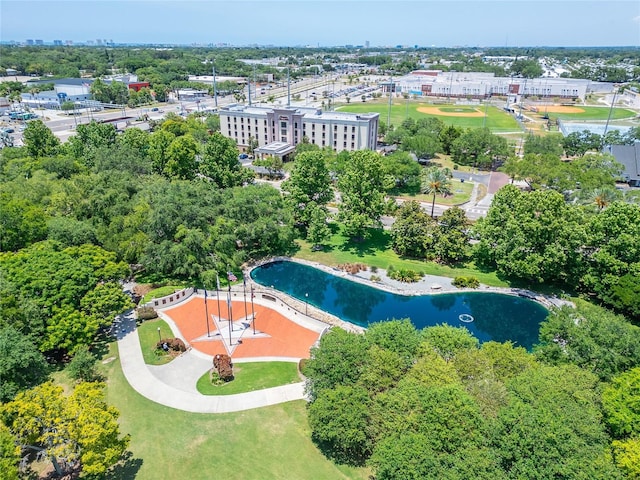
point(39, 141)
point(423, 144)
point(543, 144)
point(337, 360)
point(220, 164)
point(579, 143)
point(338, 419)
point(362, 187)
point(22, 366)
point(414, 231)
point(435, 182)
point(159, 143)
point(181, 158)
point(82, 366)
point(78, 429)
point(547, 404)
point(447, 341)
point(448, 135)
point(21, 223)
point(480, 148)
point(533, 236)
point(309, 183)
point(318, 230)
point(9, 455)
point(404, 171)
point(621, 404)
point(592, 338)
point(452, 242)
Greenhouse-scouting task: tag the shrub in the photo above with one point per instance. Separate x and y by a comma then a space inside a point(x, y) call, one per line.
point(171, 344)
point(146, 313)
point(375, 278)
point(390, 269)
point(374, 269)
point(353, 268)
point(466, 282)
point(405, 275)
point(83, 366)
point(222, 363)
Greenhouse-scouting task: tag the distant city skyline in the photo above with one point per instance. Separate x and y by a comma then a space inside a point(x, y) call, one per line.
point(473, 23)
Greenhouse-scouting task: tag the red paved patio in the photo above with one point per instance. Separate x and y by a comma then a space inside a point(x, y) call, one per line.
point(276, 336)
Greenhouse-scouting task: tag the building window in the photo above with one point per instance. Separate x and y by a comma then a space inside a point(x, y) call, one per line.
point(353, 146)
point(345, 136)
point(353, 137)
point(266, 139)
point(313, 126)
point(353, 129)
point(283, 139)
point(324, 127)
point(283, 124)
point(345, 144)
point(242, 120)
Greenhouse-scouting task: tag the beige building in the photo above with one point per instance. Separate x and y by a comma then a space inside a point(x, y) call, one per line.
point(279, 129)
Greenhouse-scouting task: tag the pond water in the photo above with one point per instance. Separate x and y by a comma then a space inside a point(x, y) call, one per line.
point(495, 316)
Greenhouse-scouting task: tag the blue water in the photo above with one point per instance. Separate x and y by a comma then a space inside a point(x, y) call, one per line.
point(496, 316)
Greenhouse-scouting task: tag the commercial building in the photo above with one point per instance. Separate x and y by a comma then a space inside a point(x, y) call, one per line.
point(478, 85)
point(279, 129)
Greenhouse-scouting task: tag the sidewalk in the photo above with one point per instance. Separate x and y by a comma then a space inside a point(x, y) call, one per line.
point(174, 385)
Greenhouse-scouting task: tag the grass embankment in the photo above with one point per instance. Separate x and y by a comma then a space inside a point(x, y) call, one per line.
point(376, 251)
point(271, 442)
point(160, 292)
point(496, 120)
point(148, 334)
point(252, 376)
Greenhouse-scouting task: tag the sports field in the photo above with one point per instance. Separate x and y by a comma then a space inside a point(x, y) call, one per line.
point(579, 112)
point(465, 116)
point(471, 116)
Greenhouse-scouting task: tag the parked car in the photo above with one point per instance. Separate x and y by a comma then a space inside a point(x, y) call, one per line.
point(242, 156)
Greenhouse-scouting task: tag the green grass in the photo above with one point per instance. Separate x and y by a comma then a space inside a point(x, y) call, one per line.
point(252, 376)
point(160, 292)
point(265, 443)
point(376, 251)
point(592, 113)
point(497, 120)
point(148, 333)
point(461, 194)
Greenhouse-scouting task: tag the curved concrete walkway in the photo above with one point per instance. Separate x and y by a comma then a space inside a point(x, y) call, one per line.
point(174, 384)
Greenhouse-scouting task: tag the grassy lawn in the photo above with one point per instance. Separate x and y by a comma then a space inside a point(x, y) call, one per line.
point(160, 292)
point(497, 120)
point(593, 113)
point(461, 193)
point(265, 443)
point(148, 333)
point(252, 376)
point(376, 251)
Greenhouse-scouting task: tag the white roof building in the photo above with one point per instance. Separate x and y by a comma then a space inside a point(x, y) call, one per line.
point(279, 129)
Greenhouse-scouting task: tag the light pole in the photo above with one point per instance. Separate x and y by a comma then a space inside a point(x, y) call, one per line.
point(159, 336)
point(306, 304)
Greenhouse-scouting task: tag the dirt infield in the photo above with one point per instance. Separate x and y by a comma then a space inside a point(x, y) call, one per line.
point(277, 336)
point(560, 109)
point(437, 111)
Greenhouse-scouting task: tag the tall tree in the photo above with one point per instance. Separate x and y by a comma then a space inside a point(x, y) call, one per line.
point(435, 181)
point(22, 366)
point(362, 187)
point(479, 147)
point(309, 183)
point(533, 236)
point(78, 429)
point(38, 140)
point(219, 162)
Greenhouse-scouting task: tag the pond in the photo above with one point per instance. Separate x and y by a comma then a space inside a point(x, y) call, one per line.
point(488, 316)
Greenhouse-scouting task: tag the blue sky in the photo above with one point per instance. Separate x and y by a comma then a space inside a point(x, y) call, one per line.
point(327, 22)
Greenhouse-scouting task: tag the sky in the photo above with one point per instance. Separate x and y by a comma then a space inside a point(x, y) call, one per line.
point(476, 23)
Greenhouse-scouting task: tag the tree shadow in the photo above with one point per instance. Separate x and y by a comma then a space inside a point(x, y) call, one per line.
point(126, 469)
point(377, 240)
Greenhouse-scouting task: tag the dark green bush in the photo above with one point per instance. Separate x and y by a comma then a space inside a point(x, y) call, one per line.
point(466, 282)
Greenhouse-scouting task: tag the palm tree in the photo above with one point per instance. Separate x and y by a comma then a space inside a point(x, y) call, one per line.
point(602, 197)
point(436, 182)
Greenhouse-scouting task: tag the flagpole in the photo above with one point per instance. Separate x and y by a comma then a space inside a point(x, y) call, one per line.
point(253, 312)
point(244, 287)
point(229, 303)
point(206, 312)
point(218, 294)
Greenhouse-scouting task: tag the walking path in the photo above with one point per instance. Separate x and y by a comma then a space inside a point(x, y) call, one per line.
point(174, 384)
